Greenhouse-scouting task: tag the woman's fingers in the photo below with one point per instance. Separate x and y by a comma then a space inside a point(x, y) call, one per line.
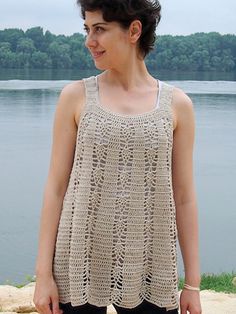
point(55, 306)
point(43, 306)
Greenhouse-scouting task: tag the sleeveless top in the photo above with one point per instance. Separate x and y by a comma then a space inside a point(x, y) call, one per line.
point(116, 239)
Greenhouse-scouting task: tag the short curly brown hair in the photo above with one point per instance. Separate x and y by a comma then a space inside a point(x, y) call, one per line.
point(125, 12)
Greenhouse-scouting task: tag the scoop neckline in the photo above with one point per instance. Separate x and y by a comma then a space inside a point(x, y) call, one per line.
point(128, 116)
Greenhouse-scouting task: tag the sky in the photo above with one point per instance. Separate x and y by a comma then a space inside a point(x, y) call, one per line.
point(179, 17)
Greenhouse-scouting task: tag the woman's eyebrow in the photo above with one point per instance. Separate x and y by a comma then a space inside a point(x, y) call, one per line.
point(96, 24)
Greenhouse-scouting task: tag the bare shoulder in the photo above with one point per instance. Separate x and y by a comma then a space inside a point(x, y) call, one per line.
point(73, 96)
point(182, 106)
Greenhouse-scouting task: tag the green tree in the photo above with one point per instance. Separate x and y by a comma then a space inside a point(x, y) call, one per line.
point(60, 55)
point(216, 62)
point(11, 35)
point(25, 49)
point(227, 61)
point(25, 45)
point(6, 56)
point(37, 36)
point(49, 38)
point(40, 60)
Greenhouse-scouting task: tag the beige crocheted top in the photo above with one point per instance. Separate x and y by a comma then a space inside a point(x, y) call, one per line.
point(116, 240)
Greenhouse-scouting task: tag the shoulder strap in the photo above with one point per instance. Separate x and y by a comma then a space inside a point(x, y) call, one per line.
point(166, 95)
point(90, 95)
point(90, 90)
point(166, 104)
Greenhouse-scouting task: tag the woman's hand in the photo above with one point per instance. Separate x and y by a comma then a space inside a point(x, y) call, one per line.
point(46, 297)
point(190, 301)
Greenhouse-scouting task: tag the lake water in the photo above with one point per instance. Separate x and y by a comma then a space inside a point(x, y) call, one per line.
point(26, 117)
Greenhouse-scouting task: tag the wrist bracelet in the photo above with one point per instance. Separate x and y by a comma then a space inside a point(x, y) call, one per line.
point(191, 288)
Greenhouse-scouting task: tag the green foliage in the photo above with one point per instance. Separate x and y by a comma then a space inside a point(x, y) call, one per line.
point(37, 37)
point(39, 50)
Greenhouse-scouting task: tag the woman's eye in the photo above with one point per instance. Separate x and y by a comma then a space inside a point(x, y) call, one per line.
point(99, 29)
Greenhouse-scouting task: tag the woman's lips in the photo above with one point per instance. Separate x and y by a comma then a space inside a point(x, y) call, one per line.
point(97, 54)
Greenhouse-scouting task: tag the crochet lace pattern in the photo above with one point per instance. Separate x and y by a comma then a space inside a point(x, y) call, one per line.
point(116, 239)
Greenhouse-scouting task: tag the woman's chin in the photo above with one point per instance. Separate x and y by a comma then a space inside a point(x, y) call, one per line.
point(100, 66)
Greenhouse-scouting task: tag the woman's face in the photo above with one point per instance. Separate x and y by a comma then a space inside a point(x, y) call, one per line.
point(107, 42)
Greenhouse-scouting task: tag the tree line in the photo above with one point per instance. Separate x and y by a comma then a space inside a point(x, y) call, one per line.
point(38, 50)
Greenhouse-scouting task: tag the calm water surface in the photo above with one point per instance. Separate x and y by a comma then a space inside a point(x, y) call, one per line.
point(26, 116)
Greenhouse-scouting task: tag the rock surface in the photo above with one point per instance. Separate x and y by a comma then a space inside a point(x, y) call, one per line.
point(20, 300)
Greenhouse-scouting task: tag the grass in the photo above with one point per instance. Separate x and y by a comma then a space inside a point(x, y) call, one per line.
point(28, 279)
point(224, 282)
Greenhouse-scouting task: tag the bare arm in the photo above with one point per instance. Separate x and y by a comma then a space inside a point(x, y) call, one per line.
point(183, 185)
point(62, 154)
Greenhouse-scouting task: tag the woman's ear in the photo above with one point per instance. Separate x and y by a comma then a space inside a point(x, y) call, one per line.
point(135, 31)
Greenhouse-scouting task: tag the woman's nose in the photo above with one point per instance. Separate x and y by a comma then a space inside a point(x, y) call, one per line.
point(90, 41)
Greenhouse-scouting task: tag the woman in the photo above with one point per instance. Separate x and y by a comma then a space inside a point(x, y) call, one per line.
point(120, 182)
